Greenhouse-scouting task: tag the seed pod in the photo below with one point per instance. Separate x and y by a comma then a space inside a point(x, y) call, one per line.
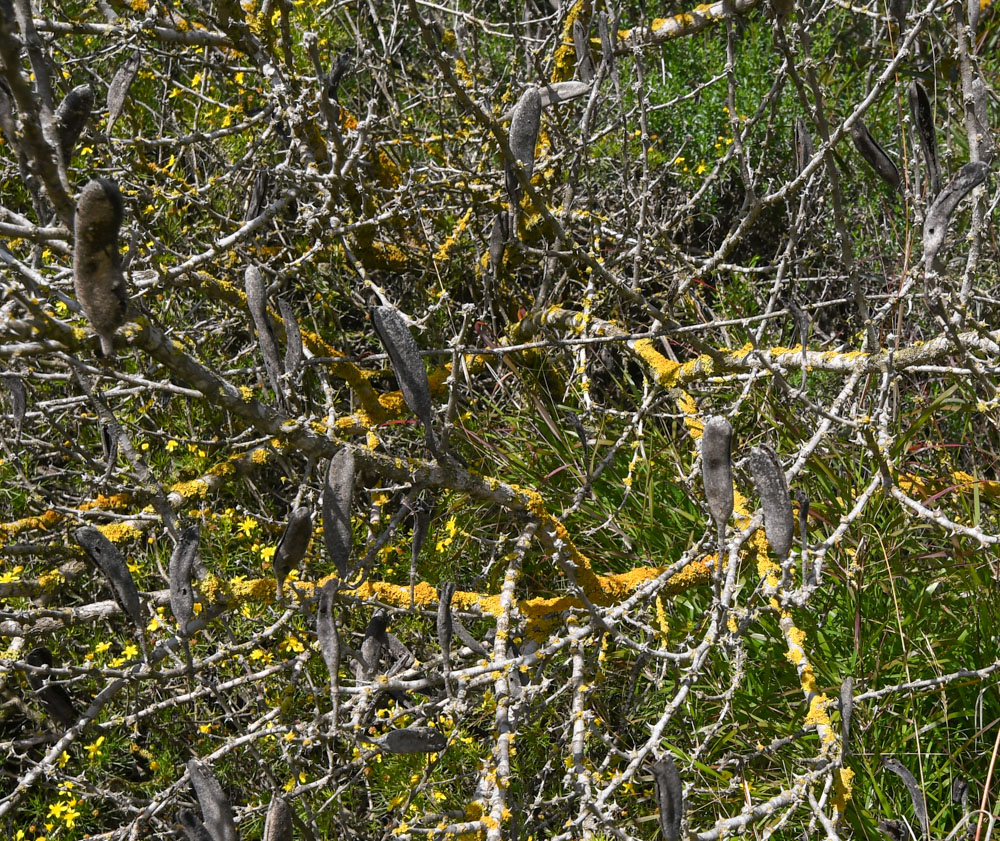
point(923, 121)
point(444, 627)
point(717, 470)
point(803, 145)
point(960, 793)
point(670, 796)
point(257, 304)
point(893, 830)
point(898, 10)
point(846, 709)
point(973, 10)
point(278, 826)
point(18, 401)
point(374, 643)
point(293, 545)
point(783, 8)
point(257, 200)
point(71, 116)
point(340, 66)
point(97, 269)
point(604, 29)
point(524, 123)
point(939, 214)
point(874, 154)
point(413, 740)
point(337, 497)
point(407, 365)
point(498, 241)
point(980, 103)
point(193, 828)
point(916, 795)
point(584, 62)
point(182, 562)
point(559, 92)
point(7, 123)
point(769, 480)
point(119, 87)
point(112, 564)
point(215, 809)
point(293, 338)
point(109, 444)
point(326, 633)
point(54, 698)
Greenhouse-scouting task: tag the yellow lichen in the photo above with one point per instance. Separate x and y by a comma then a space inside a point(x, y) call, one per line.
point(119, 532)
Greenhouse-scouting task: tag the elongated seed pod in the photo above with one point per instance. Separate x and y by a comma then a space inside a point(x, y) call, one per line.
point(980, 105)
point(54, 698)
point(846, 710)
point(940, 212)
point(118, 90)
point(256, 291)
point(717, 470)
point(893, 830)
point(18, 401)
point(374, 643)
point(278, 825)
point(960, 793)
point(216, 812)
point(337, 497)
point(769, 480)
point(498, 241)
point(444, 626)
point(524, 123)
point(922, 115)
point(916, 795)
point(326, 634)
point(193, 828)
point(898, 9)
point(293, 545)
point(112, 564)
point(181, 573)
point(803, 145)
point(7, 123)
point(874, 154)
point(604, 30)
point(670, 797)
point(584, 61)
point(71, 116)
point(559, 92)
point(404, 354)
point(293, 338)
point(97, 269)
point(257, 200)
point(413, 740)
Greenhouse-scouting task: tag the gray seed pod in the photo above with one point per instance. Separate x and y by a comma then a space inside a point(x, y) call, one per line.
point(916, 795)
point(216, 812)
point(923, 121)
point(337, 497)
point(498, 241)
point(783, 8)
point(961, 790)
point(326, 631)
point(874, 154)
point(717, 470)
point(608, 38)
point(7, 123)
point(670, 797)
point(893, 830)
point(97, 271)
point(769, 480)
point(803, 145)
point(374, 643)
point(973, 11)
point(559, 92)
point(193, 828)
point(898, 9)
point(18, 401)
point(939, 214)
point(112, 564)
point(258, 195)
point(119, 87)
point(71, 116)
point(293, 545)
point(293, 338)
point(181, 573)
point(980, 102)
point(278, 825)
point(413, 740)
point(54, 698)
point(404, 354)
point(584, 61)
point(444, 626)
point(846, 710)
point(256, 291)
point(525, 120)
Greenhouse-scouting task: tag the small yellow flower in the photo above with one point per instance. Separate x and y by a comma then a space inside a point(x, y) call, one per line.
point(94, 748)
point(131, 650)
point(205, 728)
point(101, 647)
point(247, 526)
point(171, 445)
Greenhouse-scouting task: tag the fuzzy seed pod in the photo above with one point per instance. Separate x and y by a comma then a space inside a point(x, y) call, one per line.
point(608, 37)
point(54, 698)
point(846, 709)
point(923, 121)
point(182, 562)
point(18, 401)
point(7, 123)
point(293, 545)
point(803, 145)
point(524, 123)
point(960, 793)
point(444, 626)
point(337, 497)
point(97, 268)
point(293, 338)
point(670, 796)
point(215, 809)
point(193, 828)
point(584, 61)
point(71, 116)
point(375, 641)
point(916, 795)
point(893, 830)
point(717, 470)
point(404, 354)
point(109, 444)
point(874, 154)
point(498, 241)
point(111, 563)
point(278, 826)
point(119, 88)
point(898, 10)
point(939, 214)
point(326, 632)
point(256, 291)
point(413, 740)
point(769, 480)
point(559, 92)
